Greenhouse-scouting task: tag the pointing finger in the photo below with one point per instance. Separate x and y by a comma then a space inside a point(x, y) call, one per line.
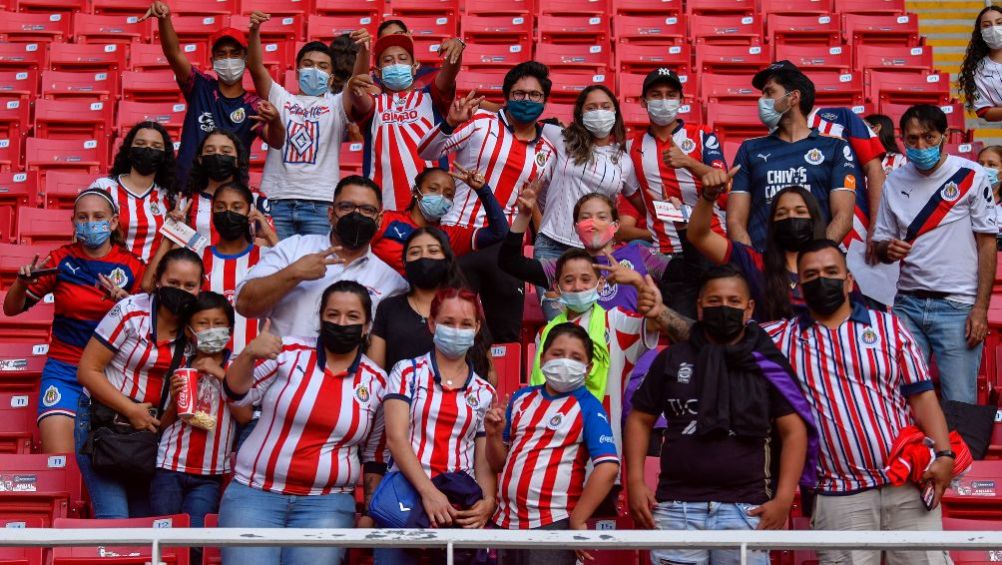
point(267, 326)
point(734, 170)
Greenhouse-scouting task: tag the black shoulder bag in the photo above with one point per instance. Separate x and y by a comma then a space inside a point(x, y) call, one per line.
point(115, 447)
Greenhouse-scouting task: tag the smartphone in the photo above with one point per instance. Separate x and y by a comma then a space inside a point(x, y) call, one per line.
point(43, 272)
point(929, 495)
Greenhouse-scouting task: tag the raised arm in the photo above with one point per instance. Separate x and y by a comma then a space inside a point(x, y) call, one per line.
point(179, 63)
point(510, 256)
point(451, 135)
point(709, 243)
point(497, 225)
point(255, 56)
point(451, 52)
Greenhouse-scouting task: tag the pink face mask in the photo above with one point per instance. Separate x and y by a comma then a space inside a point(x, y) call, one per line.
point(595, 234)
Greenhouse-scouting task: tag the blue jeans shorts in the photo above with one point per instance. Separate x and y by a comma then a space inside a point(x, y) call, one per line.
point(677, 515)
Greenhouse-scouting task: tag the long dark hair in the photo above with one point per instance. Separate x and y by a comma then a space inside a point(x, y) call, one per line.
point(477, 356)
point(578, 139)
point(198, 178)
point(886, 133)
point(164, 176)
point(776, 302)
point(179, 255)
point(977, 50)
point(455, 277)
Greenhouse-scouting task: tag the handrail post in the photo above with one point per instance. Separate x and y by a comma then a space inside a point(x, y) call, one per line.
point(155, 553)
point(744, 553)
point(448, 554)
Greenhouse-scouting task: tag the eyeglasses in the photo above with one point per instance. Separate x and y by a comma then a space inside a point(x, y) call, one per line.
point(534, 95)
point(345, 208)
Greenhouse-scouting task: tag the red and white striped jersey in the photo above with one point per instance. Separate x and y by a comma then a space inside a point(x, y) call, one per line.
point(550, 440)
point(222, 275)
point(487, 144)
point(140, 217)
point(188, 449)
point(659, 181)
point(392, 131)
point(316, 427)
point(200, 213)
point(893, 161)
point(140, 361)
point(856, 378)
point(444, 423)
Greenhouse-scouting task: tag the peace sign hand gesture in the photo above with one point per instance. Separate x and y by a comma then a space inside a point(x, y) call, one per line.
point(474, 179)
point(462, 109)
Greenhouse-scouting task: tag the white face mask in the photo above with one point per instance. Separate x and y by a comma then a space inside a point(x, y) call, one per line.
point(992, 36)
point(212, 340)
point(767, 112)
point(599, 122)
point(230, 71)
point(663, 112)
point(564, 375)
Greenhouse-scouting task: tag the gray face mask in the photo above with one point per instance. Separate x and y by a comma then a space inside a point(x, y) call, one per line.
point(212, 340)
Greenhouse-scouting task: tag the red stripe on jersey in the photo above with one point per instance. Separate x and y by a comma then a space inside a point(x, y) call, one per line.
point(283, 435)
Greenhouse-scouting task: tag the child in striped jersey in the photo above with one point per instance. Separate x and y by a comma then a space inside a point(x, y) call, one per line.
point(541, 445)
point(192, 460)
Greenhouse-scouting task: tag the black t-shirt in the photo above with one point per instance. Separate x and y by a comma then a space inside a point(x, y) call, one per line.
point(696, 469)
point(405, 331)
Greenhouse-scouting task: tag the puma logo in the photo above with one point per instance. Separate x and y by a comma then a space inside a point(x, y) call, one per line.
point(765, 157)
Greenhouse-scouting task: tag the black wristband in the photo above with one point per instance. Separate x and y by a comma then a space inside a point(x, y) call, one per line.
point(946, 453)
point(232, 395)
point(446, 128)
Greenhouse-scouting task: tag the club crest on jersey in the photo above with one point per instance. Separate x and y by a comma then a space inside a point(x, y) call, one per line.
point(685, 373)
point(117, 276)
point(950, 192)
point(362, 394)
point(555, 421)
point(687, 146)
point(51, 396)
point(473, 401)
point(155, 208)
point(869, 337)
point(847, 153)
point(814, 157)
point(607, 290)
point(238, 116)
point(540, 159)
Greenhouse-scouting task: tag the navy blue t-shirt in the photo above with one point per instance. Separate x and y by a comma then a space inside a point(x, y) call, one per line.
point(819, 163)
point(208, 109)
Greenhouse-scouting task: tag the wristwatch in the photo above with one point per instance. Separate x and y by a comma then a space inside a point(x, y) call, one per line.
point(946, 453)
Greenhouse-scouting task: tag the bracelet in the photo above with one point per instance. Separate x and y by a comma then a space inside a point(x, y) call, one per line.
point(946, 453)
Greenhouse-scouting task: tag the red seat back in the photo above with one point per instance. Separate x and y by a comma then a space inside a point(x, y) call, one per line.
point(797, 7)
point(810, 29)
point(666, 30)
point(137, 555)
point(818, 57)
point(281, 7)
point(868, 7)
point(590, 29)
point(731, 59)
point(41, 487)
point(726, 29)
point(145, 57)
point(80, 85)
point(975, 495)
point(39, 225)
point(895, 29)
point(21, 84)
point(573, 7)
point(19, 189)
point(110, 28)
point(168, 114)
point(448, 8)
point(567, 86)
point(372, 8)
point(642, 59)
point(69, 154)
point(21, 555)
point(73, 118)
point(150, 86)
point(28, 27)
point(18, 410)
point(505, 29)
point(61, 188)
point(201, 7)
point(909, 88)
point(832, 88)
point(479, 56)
point(326, 28)
point(87, 57)
point(734, 89)
point(22, 56)
point(507, 359)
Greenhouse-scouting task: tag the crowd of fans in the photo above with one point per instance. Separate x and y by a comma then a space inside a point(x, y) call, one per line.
point(332, 332)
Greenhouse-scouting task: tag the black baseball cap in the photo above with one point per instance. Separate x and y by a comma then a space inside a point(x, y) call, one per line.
point(661, 75)
point(763, 76)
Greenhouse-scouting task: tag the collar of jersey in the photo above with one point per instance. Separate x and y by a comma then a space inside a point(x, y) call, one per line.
point(322, 362)
point(814, 133)
point(153, 185)
point(438, 376)
point(248, 249)
point(681, 124)
point(504, 121)
point(859, 315)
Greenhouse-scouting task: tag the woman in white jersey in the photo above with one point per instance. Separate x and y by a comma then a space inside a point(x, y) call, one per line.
point(884, 128)
point(981, 72)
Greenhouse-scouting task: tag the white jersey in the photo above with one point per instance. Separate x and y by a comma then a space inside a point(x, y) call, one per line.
point(188, 449)
point(988, 83)
point(222, 275)
point(140, 217)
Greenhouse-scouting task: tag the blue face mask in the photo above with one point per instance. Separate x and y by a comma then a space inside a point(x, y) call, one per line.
point(453, 342)
point(313, 81)
point(93, 234)
point(580, 301)
point(993, 175)
point(524, 111)
point(434, 206)
point(397, 77)
point(924, 159)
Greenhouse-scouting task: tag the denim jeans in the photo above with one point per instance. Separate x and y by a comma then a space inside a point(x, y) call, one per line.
point(246, 507)
point(183, 493)
point(705, 516)
point(111, 497)
point(546, 248)
point(302, 217)
point(938, 326)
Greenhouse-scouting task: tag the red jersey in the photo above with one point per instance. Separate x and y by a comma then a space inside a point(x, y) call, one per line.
point(397, 226)
point(222, 275)
point(140, 217)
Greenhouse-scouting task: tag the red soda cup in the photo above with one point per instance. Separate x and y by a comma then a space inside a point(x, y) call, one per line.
point(188, 395)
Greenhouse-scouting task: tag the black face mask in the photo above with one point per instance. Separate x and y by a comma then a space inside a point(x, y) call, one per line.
point(219, 167)
point(723, 323)
point(824, 295)
point(175, 300)
point(146, 160)
point(426, 273)
point(355, 230)
point(340, 339)
point(230, 225)
point(793, 233)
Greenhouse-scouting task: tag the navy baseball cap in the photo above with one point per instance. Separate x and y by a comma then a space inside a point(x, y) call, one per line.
point(763, 76)
point(662, 75)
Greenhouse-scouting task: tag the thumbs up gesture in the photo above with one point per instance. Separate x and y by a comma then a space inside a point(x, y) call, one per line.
point(266, 345)
point(717, 181)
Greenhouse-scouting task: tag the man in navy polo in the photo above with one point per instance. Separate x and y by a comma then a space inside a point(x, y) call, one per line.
point(793, 154)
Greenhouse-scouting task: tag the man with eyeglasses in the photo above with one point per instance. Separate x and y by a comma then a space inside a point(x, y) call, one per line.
point(287, 284)
point(937, 218)
point(508, 146)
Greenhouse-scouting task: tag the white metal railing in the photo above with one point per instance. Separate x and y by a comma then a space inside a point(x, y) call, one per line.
point(522, 539)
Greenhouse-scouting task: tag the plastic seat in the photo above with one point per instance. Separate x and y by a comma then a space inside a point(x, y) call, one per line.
point(810, 29)
point(437, 27)
point(44, 155)
point(894, 58)
point(22, 56)
point(567, 86)
point(646, 7)
point(507, 358)
point(631, 86)
point(487, 83)
point(500, 8)
point(49, 6)
point(739, 7)
point(257, 154)
point(17, 421)
point(27, 27)
point(574, 29)
point(730, 59)
point(967, 151)
point(573, 7)
point(73, 119)
point(816, 57)
point(642, 59)
point(211, 555)
point(733, 121)
point(39, 225)
point(326, 28)
point(278, 28)
point(57, 485)
point(955, 122)
point(273, 7)
point(478, 56)
point(79, 86)
point(168, 114)
point(372, 8)
point(278, 56)
point(150, 86)
point(12, 258)
point(426, 50)
point(150, 56)
point(974, 496)
point(733, 89)
point(649, 30)
point(726, 30)
point(503, 29)
point(195, 29)
point(21, 555)
point(114, 28)
point(564, 113)
point(895, 29)
point(125, 7)
point(126, 555)
point(869, 7)
point(203, 8)
point(832, 88)
point(15, 123)
point(19, 84)
point(87, 57)
point(351, 158)
point(973, 557)
point(909, 88)
point(19, 189)
point(448, 8)
point(23, 352)
point(60, 188)
point(797, 7)
point(575, 58)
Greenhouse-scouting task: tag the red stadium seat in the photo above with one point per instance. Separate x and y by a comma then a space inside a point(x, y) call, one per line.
point(258, 152)
point(726, 30)
point(631, 86)
point(22, 56)
point(575, 58)
point(26, 27)
point(326, 28)
point(895, 29)
point(507, 358)
point(19, 189)
point(211, 555)
point(649, 30)
point(797, 7)
point(955, 121)
point(351, 158)
point(39, 225)
point(505, 29)
point(588, 29)
point(18, 84)
point(426, 50)
point(487, 83)
point(816, 57)
point(98, 28)
point(730, 149)
point(87, 57)
point(44, 155)
point(567, 86)
point(10, 153)
point(278, 28)
point(965, 150)
point(18, 411)
point(894, 58)
point(79, 86)
point(500, 8)
point(574, 7)
point(478, 56)
point(832, 88)
point(150, 56)
point(975, 495)
point(60, 188)
point(732, 89)
point(168, 114)
point(23, 354)
point(642, 59)
point(660, 8)
point(973, 557)
point(738, 7)
point(908, 88)
point(27, 334)
point(273, 7)
point(733, 121)
point(868, 7)
point(564, 113)
point(126, 555)
point(195, 29)
point(437, 27)
point(49, 6)
point(126, 7)
point(73, 119)
point(279, 56)
point(372, 8)
point(731, 59)
point(448, 8)
point(150, 86)
point(14, 118)
point(41, 487)
point(799, 29)
point(21, 555)
point(203, 8)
